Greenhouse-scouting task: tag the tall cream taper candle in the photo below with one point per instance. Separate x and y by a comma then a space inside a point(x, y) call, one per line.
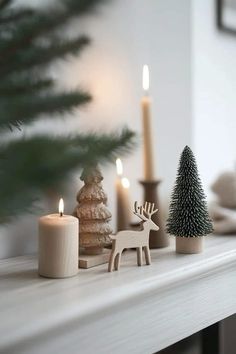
point(58, 245)
point(147, 131)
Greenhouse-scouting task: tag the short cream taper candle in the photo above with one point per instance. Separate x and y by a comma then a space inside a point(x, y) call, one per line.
point(58, 245)
point(123, 199)
point(147, 130)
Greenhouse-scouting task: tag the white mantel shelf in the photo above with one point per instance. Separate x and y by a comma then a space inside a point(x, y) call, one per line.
point(135, 310)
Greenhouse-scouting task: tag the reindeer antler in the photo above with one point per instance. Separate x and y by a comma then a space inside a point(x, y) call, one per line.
point(147, 208)
point(138, 210)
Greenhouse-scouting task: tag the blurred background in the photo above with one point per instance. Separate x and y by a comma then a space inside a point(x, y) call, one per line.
point(192, 85)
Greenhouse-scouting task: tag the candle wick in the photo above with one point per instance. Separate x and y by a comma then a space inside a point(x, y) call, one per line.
point(61, 214)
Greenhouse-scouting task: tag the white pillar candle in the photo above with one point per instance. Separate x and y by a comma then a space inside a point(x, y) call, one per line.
point(147, 129)
point(123, 199)
point(58, 245)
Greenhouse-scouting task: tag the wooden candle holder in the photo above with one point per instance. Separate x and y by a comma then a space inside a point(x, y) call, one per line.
point(158, 239)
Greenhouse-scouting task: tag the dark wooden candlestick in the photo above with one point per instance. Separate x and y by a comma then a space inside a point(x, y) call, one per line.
point(159, 238)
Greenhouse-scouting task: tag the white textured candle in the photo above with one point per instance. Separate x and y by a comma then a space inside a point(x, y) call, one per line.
point(58, 246)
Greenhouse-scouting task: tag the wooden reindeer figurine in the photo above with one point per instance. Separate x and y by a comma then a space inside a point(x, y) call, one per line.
point(134, 239)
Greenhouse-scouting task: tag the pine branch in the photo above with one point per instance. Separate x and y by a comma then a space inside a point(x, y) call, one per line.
point(44, 22)
point(47, 162)
point(24, 110)
point(82, 7)
point(11, 16)
point(23, 86)
point(105, 147)
point(37, 55)
point(4, 3)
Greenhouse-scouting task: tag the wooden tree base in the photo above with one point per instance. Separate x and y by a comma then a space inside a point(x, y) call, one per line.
point(88, 261)
point(91, 251)
point(157, 239)
point(189, 245)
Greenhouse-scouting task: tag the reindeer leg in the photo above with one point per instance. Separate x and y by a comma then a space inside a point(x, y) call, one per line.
point(147, 255)
point(117, 261)
point(111, 261)
point(139, 256)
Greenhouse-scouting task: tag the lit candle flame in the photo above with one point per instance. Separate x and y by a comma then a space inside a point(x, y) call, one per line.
point(125, 182)
point(61, 207)
point(145, 78)
point(119, 167)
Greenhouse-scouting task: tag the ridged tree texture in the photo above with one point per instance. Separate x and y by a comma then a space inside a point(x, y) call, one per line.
point(93, 214)
point(188, 214)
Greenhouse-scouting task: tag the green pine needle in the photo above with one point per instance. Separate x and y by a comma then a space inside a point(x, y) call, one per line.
point(47, 162)
point(4, 3)
point(38, 55)
point(26, 109)
point(23, 86)
point(188, 214)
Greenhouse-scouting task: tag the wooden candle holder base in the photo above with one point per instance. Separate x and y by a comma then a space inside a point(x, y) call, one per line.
point(88, 261)
point(158, 239)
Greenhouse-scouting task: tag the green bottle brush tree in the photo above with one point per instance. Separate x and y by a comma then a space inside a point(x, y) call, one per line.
point(188, 215)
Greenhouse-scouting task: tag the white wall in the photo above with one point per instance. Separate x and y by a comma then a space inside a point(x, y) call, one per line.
point(126, 35)
point(156, 32)
point(214, 88)
point(214, 107)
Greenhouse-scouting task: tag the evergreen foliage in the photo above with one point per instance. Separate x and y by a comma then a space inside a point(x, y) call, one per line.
point(31, 40)
point(188, 215)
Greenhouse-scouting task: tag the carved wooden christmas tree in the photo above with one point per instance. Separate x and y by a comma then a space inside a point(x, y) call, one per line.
point(188, 216)
point(94, 216)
